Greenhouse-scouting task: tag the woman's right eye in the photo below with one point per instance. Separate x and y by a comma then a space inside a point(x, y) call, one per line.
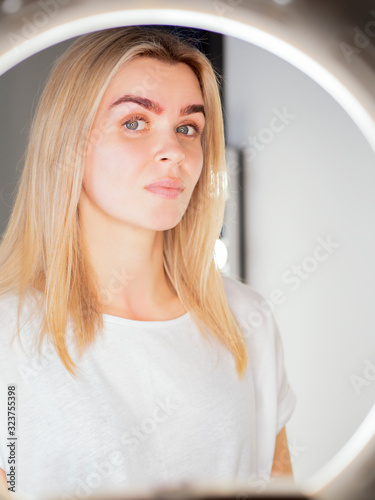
point(134, 123)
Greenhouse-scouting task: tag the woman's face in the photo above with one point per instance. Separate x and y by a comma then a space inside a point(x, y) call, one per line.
point(147, 130)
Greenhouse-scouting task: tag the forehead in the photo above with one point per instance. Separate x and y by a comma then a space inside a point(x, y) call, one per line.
point(149, 77)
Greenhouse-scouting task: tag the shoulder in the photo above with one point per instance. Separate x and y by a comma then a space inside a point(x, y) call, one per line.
point(241, 297)
point(250, 308)
point(238, 290)
point(8, 309)
point(9, 316)
point(8, 332)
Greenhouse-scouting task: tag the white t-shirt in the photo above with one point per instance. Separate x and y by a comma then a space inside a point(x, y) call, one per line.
point(153, 405)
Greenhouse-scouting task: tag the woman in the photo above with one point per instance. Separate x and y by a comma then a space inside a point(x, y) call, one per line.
point(108, 261)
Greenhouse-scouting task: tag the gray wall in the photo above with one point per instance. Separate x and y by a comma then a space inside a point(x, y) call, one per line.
point(310, 178)
point(20, 88)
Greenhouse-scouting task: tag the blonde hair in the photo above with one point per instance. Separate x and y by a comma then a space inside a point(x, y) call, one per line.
point(42, 247)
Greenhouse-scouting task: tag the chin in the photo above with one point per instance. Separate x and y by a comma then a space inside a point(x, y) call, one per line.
point(165, 225)
point(162, 222)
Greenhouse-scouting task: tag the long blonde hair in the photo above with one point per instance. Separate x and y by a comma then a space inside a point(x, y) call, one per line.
point(42, 247)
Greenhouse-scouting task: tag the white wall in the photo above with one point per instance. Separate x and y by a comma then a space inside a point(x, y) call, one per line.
point(311, 179)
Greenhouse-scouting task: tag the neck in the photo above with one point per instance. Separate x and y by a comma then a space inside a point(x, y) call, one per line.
point(131, 277)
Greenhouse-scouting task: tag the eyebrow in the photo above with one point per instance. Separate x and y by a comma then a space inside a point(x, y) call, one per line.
point(155, 107)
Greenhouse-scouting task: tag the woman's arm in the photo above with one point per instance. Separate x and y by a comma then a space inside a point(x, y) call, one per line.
point(4, 492)
point(281, 461)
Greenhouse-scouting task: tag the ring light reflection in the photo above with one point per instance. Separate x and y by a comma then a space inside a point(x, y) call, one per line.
point(283, 27)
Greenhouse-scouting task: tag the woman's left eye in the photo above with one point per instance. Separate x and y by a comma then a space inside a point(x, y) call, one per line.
point(184, 129)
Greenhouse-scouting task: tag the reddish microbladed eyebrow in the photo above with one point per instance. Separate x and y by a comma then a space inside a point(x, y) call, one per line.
point(155, 107)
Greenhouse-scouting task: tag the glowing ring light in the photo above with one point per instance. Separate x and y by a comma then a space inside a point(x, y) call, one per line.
point(289, 31)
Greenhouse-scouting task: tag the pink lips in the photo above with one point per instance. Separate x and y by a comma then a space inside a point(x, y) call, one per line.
point(168, 187)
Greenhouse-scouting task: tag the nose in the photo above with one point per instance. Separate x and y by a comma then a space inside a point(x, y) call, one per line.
point(169, 151)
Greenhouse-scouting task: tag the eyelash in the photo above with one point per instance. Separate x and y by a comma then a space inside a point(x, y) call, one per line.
point(134, 118)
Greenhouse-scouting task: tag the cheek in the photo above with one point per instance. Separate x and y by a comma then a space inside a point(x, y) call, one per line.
point(113, 164)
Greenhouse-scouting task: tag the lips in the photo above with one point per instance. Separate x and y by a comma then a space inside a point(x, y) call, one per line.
point(169, 188)
point(167, 183)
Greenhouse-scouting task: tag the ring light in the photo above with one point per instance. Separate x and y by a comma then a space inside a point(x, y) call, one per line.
point(311, 39)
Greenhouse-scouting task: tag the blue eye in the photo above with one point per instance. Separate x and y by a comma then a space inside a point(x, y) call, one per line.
point(181, 127)
point(133, 123)
point(196, 130)
point(130, 125)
